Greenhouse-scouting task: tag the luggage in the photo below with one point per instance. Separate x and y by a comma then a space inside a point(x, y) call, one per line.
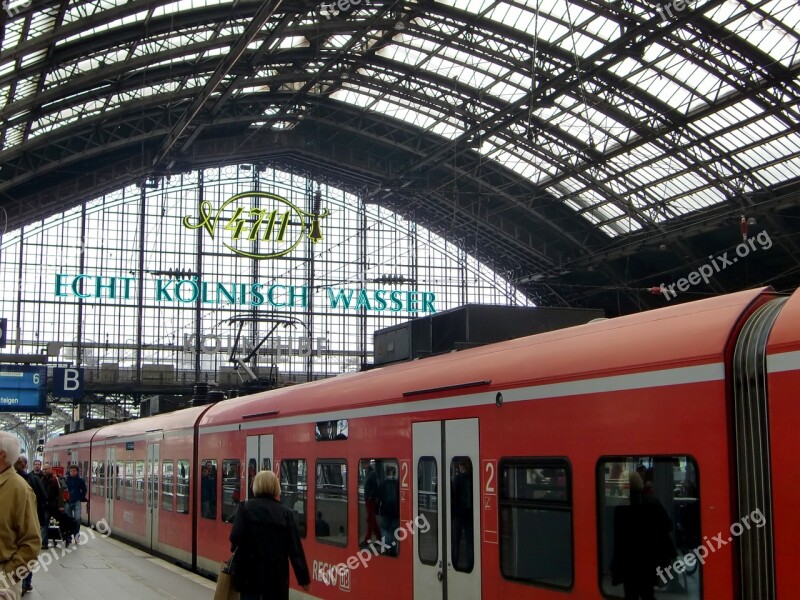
point(62, 528)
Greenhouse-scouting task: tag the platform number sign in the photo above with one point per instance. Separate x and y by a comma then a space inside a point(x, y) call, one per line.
point(67, 382)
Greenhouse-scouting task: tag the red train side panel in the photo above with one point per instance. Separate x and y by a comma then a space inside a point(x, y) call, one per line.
point(783, 365)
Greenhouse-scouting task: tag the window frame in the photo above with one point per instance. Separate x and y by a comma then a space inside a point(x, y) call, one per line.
point(303, 531)
point(600, 489)
point(567, 505)
point(326, 540)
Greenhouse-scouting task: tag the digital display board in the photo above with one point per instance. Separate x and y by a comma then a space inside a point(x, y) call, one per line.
point(23, 388)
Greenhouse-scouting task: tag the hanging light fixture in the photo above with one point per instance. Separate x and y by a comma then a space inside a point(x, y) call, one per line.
point(315, 234)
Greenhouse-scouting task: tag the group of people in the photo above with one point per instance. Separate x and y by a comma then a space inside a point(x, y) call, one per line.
point(43, 495)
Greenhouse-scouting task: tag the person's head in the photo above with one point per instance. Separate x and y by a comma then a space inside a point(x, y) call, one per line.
point(462, 466)
point(319, 515)
point(73, 470)
point(9, 450)
point(204, 470)
point(37, 465)
point(47, 469)
point(391, 471)
point(21, 464)
point(265, 484)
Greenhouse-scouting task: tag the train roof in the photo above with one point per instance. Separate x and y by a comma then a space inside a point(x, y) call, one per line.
point(683, 335)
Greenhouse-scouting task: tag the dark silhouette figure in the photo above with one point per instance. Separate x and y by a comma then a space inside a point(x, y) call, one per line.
point(389, 508)
point(461, 498)
point(371, 499)
point(321, 526)
point(641, 542)
point(265, 540)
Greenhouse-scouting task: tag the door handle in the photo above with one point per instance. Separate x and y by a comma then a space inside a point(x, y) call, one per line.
point(439, 575)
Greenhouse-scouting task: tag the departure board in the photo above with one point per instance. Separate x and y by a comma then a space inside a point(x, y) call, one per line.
point(23, 388)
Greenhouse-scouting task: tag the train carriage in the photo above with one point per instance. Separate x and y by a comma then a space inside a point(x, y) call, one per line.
point(510, 463)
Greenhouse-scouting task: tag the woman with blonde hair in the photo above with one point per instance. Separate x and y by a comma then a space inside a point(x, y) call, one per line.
point(265, 539)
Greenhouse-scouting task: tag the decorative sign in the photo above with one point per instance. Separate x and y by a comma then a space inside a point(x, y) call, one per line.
point(246, 223)
point(130, 445)
point(23, 388)
point(190, 291)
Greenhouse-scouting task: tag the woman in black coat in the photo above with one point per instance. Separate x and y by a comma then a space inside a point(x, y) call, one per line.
point(265, 539)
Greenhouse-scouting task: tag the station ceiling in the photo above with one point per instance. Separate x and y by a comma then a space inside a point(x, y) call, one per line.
point(588, 150)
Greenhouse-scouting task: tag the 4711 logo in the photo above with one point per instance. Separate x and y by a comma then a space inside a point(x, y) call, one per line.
point(260, 225)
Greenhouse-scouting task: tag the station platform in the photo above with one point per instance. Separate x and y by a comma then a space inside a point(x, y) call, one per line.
point(103, 568)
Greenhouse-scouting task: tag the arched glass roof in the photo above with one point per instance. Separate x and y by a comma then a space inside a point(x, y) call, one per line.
point(626, 114)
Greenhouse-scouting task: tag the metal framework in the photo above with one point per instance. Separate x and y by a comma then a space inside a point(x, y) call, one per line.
point(561, 142)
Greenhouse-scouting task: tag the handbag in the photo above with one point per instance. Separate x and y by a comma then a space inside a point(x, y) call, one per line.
point(225, 589)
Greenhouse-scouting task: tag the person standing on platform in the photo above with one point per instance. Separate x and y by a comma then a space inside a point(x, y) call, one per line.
point(264, 540)
point(20, 540)
point(41, 500)
point(77, 494)
point(56, 503)
point(38, 475)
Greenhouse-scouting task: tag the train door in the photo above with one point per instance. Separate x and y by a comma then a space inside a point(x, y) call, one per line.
point(447, 557)
point(259, 457)
point(108, 489)
point(152, 496)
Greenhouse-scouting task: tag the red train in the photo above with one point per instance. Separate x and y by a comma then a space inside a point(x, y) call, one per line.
point(512, 461)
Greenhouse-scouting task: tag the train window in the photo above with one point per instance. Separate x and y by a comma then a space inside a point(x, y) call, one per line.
point(330, 524)
point(95, 490)
point(120, 480)
point(167, 484)
point(379, 503)
point(648, 515)
point(101, 478)
point(294, 484)
point(326, 431)
point(182, 487)
point(129, 480)
point(139, 489)
point(462, 550)
point(231, 488)
point(428, 503)
point(110, 480)
point(208, 489)
point(536, 521)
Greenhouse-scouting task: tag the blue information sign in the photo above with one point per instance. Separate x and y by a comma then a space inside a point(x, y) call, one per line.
point(23, 388)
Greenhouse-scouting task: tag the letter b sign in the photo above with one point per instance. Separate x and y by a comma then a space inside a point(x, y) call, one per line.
point(67, 382)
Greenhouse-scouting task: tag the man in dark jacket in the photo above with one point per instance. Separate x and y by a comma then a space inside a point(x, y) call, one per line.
point(56, 504)
point(77, 494)
point(265, 539)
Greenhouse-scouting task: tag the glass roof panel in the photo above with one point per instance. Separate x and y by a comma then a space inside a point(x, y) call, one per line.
point(772, 29)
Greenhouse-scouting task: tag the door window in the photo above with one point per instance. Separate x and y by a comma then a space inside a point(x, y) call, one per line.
point(462, 549)
point(428, 503)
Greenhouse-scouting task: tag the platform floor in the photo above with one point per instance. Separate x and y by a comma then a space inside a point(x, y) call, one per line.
point(104, 568)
